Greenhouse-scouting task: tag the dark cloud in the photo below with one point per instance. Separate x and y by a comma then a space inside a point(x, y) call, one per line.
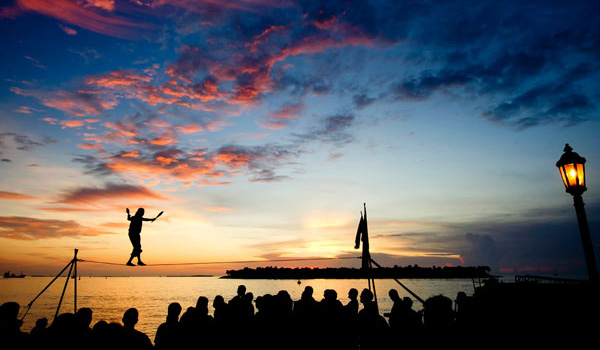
point(93, 165)
point(363, 100)
point(334, 129)
point(110, 192)
point(481, 250)
point(23, 142)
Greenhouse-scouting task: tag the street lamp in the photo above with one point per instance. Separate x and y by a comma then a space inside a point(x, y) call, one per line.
point(572, 171)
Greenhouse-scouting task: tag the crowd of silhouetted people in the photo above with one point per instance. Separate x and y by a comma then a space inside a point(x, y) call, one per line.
point(245, 322)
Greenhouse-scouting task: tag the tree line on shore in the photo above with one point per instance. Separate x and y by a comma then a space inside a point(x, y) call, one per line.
point(414, 271)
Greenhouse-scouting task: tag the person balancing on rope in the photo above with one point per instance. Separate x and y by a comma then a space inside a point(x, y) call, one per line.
point(135, 228)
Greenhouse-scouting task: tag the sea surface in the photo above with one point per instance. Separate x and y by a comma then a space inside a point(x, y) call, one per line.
point(109, 297)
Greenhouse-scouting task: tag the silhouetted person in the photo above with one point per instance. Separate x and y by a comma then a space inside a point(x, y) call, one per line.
point(305, 316)
point(62, 328)
point(396, 313)
point(102, 339)
point(372, 327)
point(221, 313)
point(83, 332)
point(438, 320)
point(168, 334)
point(352, 306)
point(330, 319)
point(350, 320)
point(10, 327)
point(131, 337)
point(39, 333)
point(135, 229)
point(197, 326)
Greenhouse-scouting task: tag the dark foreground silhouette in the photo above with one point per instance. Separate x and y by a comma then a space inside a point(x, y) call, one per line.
point(493, 315)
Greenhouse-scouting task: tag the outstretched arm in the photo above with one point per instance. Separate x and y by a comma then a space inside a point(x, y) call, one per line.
point(128, 215)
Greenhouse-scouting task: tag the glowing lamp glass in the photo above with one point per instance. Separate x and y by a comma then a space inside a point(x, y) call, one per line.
point(572, 171)
point(572, 175)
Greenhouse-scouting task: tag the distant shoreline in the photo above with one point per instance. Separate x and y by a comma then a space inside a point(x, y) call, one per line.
point(354, 273)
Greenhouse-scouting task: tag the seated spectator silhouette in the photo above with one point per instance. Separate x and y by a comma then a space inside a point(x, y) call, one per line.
point(62, 328)
point(131, 337)
point(372, 327)
point(11, 335)
point(168, 334)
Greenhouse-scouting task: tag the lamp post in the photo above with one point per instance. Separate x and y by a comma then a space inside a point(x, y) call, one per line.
point(572, 171)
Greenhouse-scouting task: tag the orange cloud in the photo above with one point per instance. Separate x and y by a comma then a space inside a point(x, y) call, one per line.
point(28, 229)
point(14, 196)
point(89, 146)
point(75, 123)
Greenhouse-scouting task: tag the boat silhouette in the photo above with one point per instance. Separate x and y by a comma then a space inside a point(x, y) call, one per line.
point(7, 274)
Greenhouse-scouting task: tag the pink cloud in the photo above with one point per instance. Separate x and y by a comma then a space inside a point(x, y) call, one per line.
point(68, 30)
point(90, 15)
point(76, 103)
point(280, 118)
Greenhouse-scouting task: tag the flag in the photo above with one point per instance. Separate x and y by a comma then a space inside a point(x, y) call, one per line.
point(359, 231)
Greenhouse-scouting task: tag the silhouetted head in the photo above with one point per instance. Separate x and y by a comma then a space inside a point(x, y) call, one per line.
point(140, 212)
point(8, 314)
point(352, 293)
point(218, 301)
point(241, 290)
point(84, 316)
point(248, 297)
point(202, 305)
point(437, 311)
point(330, 294)
point(101, 327)
point(461, 296)
point(41, 322)
point(394, 295)
point(407, 302)
point(130, 317)
point(64, 322)
point(173, 310)
point(366, 296)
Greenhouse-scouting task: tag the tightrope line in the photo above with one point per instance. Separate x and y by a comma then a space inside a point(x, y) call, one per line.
point(220, 262)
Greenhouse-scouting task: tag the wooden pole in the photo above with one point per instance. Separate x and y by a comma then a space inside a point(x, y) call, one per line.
point(75, 281)
point(64, 288)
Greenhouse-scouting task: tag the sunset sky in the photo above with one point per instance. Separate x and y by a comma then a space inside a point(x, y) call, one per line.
point(261, 127)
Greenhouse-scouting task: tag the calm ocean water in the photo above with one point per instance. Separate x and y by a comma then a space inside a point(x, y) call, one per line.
point(110, 297)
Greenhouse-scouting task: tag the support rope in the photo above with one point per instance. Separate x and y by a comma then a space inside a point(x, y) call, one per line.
point(220, 262)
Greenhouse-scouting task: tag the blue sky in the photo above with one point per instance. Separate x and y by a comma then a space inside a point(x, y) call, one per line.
point(261, 127)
